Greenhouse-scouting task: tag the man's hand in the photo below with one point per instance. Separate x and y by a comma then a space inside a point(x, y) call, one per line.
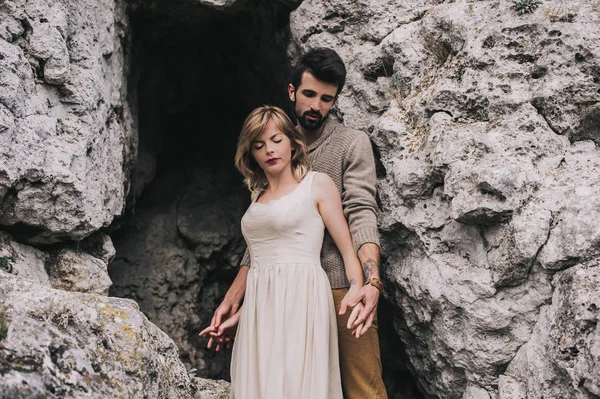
point(369, 297)
point(359, 329)
point(368, 294)
point(352, 300)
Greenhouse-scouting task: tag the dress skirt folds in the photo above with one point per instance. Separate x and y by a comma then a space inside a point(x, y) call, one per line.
point(286, 344)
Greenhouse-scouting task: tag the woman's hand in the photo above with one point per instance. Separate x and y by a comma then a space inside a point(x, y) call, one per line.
point(223, 335)
point(369, 297)
point(359, 329)
point(357, 309)
point(350, 297)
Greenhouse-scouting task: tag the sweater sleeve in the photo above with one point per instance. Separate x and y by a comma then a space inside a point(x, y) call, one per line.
point(358, 195)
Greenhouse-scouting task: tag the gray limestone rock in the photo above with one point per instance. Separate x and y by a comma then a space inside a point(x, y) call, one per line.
point(511, 388)
point(67, 137)
point(572, 197)
point(72, 345)
point(485, 125)
point(211, 389)
point(561, 359)
point(100, 246)
point(23, 260)
point(78, 271)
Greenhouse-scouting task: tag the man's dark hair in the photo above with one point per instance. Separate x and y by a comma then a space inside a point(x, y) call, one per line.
point(324, 64)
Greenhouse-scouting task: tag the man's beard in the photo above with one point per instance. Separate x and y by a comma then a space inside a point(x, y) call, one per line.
point(308, 124)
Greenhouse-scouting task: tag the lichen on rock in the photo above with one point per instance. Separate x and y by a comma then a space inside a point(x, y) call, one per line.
point(72, 344)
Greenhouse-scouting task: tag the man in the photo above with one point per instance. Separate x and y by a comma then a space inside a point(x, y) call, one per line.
point(347, 157)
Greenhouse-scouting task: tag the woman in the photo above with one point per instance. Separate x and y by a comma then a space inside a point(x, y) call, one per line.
point(286, 341)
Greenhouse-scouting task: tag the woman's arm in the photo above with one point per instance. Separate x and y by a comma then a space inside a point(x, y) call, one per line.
point(329, 205)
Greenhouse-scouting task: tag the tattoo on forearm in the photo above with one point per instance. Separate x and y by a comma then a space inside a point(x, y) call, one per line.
point(369, 268)
point(352, 282)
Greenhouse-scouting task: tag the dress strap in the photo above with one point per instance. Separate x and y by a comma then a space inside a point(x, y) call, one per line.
point(309, 180)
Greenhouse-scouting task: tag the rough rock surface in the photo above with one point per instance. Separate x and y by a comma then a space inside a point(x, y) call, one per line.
point(67, 143)
point(562, 358)
point(486, 125)
point(77, 271)
point(23, 260)
point(69, 345)
point(177, 255)
point(485, 122)
point(66, 132)
point(67, 269)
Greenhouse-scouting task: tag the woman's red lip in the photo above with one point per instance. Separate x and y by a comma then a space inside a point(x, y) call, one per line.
point(272, 161)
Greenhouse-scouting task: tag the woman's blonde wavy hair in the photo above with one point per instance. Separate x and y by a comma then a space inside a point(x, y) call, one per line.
point(255, 123)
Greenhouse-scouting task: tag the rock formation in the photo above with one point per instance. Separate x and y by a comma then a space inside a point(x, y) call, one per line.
point(64, 344)
point(178, 256)
point(68, 138)
point(485, 120)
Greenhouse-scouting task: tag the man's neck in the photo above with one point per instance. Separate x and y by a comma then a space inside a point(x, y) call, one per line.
point(311, 135)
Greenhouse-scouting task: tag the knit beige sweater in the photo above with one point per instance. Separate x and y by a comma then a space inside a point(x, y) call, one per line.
point(347, 157)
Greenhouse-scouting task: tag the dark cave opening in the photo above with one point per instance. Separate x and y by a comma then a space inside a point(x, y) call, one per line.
point(198, 72)
point(201, 73)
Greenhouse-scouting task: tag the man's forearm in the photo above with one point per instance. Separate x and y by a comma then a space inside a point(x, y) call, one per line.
point(369, 259)
point(236, 292)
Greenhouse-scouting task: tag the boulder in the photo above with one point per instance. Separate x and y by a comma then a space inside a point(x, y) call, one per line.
point(78, 271)
point(68, 138)
point(67, 344)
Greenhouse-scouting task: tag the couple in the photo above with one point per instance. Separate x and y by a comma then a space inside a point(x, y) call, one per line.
point(294, 275)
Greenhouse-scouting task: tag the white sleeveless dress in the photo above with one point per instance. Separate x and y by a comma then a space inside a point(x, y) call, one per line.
point(286, 343)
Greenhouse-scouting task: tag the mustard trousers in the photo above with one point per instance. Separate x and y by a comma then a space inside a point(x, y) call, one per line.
point(360, 359)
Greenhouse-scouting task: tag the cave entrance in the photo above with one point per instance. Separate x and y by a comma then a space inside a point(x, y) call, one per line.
point(198, 72)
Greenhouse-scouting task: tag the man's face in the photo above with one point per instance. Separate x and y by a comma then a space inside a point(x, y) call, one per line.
point(312, 100)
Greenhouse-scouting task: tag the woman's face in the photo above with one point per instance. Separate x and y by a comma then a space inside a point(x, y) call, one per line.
point(272, 150)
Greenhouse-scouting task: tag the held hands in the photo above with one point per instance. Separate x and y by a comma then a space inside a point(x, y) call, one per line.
point(359, 328)
point(369, 297)
point(223, 326)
